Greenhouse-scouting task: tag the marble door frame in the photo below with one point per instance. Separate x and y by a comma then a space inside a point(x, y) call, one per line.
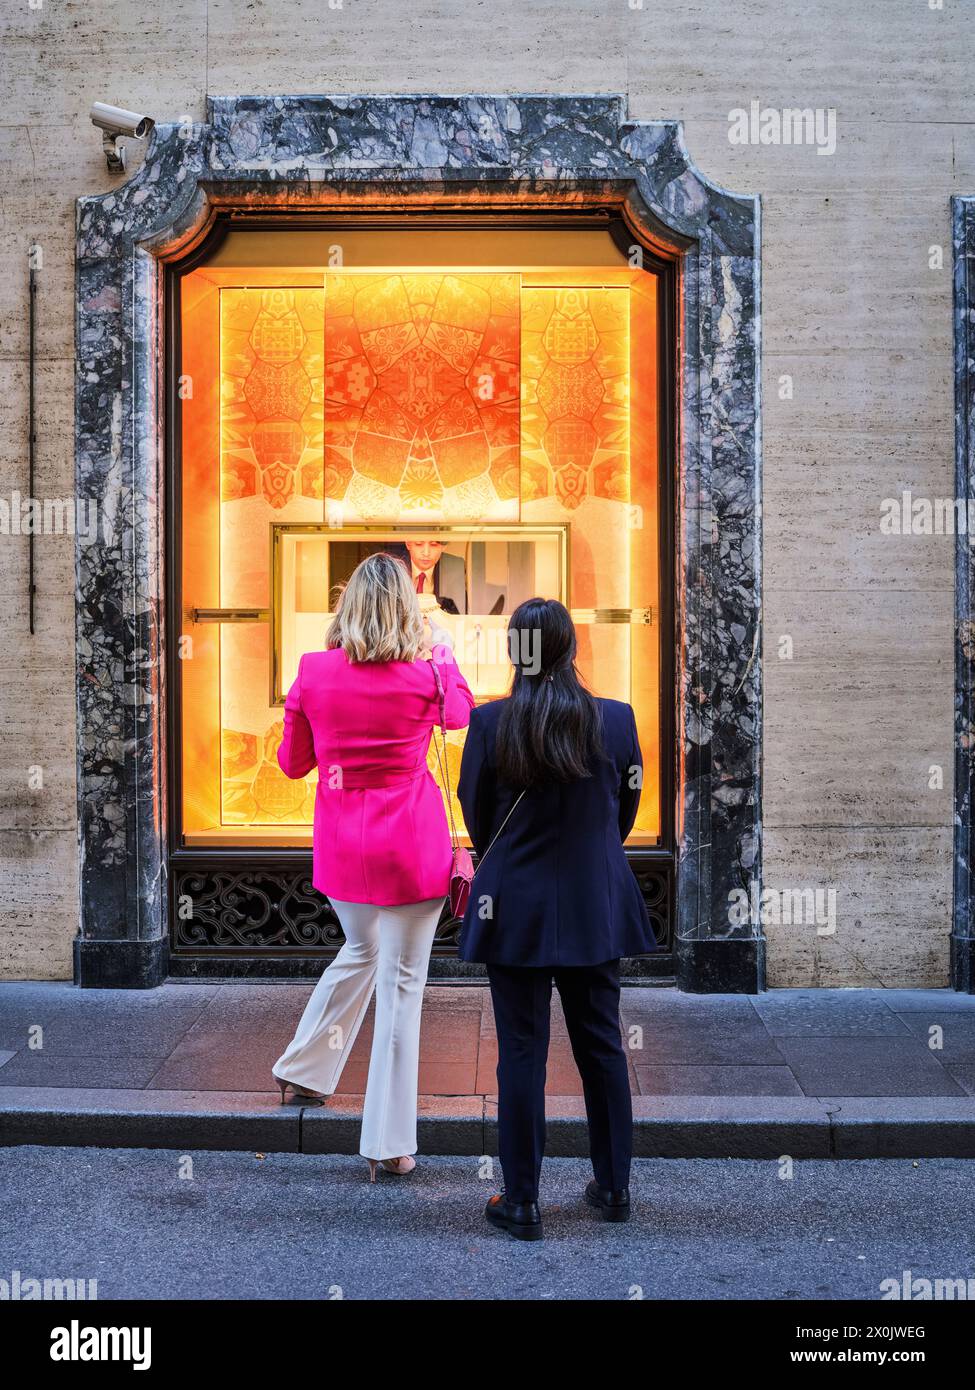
point(963, 916)
point(313, 152)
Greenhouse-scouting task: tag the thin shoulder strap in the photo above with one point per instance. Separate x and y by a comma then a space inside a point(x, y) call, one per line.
point(443, 773)
point(443, 764)
point(501, 827)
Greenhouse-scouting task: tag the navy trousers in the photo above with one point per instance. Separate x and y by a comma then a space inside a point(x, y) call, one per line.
point(522, 998)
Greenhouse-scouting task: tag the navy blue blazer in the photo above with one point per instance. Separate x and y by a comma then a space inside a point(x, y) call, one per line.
point(556, 889)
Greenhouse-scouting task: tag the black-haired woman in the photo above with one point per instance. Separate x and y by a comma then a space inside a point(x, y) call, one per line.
point(550, 784)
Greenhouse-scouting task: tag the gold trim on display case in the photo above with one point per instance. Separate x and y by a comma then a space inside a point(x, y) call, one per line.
point(230, 615)
point(639, 616)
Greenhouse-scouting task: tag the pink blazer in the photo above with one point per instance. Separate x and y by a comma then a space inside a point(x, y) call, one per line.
point(381, 831)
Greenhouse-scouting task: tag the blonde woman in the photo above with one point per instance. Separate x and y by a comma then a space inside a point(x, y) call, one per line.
point(363, 711)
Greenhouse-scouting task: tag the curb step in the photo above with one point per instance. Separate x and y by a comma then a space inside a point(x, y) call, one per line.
point(664, 1126)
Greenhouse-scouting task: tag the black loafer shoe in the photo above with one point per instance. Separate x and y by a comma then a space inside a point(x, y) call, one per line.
point(522, 1220)
point(615, 1206)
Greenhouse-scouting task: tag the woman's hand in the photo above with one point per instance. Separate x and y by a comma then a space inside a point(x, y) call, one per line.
point(426, 647)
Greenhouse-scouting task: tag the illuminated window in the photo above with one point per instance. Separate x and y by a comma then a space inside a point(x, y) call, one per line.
point(498, 407)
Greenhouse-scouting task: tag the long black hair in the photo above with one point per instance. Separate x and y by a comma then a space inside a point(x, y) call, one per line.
point(550, 726)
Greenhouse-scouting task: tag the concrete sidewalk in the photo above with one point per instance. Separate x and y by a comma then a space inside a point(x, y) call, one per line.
point(808, 1073)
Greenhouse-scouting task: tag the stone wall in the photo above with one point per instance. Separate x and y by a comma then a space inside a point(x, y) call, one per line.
point(853, 313)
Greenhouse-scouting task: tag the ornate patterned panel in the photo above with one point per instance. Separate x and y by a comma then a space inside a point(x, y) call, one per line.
point(422, 384)
point(272, 360)
point(575, 400)
point(257, 907)
point(255, 790)
point(226, 909)
point(271, 349)
point(576, 455)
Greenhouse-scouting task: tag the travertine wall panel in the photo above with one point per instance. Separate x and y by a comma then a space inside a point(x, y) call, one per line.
point(852, 313)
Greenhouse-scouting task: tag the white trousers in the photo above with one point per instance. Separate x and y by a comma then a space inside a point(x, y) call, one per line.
point(386, 949)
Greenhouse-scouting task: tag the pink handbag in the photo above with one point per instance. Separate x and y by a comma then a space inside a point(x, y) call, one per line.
point(462, 866)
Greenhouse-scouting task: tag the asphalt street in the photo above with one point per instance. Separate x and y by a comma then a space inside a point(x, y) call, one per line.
point(153, 1223)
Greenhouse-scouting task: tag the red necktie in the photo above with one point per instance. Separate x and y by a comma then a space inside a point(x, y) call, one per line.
point(419, 582)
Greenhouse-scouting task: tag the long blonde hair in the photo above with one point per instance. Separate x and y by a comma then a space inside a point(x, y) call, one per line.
point(378, 617)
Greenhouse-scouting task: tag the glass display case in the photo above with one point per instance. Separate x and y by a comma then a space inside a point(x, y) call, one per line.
point(468, 583)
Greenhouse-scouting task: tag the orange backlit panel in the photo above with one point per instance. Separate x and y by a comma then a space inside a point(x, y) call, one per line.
point(576, 408)
point(272, 359)
point(422, 382)
point(271, 349)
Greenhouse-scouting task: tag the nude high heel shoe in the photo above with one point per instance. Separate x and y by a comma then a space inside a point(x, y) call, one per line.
point(391, 1165)
point(300, 1092)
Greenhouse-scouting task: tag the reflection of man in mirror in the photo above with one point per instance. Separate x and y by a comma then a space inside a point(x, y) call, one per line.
point(434, 572)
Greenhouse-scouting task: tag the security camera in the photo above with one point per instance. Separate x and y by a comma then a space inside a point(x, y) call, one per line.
point(120, 122)
point(114, 121)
